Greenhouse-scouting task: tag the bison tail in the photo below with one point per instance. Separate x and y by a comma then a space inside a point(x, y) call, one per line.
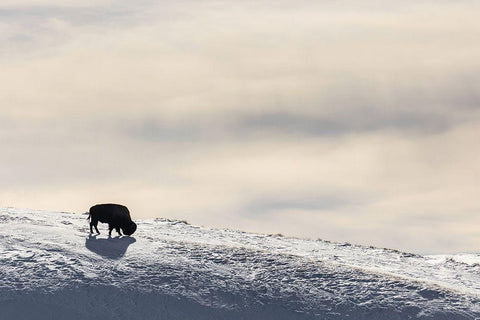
point(89, 215)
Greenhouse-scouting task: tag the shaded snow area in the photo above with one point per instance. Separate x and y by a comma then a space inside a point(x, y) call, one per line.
point(51, 268)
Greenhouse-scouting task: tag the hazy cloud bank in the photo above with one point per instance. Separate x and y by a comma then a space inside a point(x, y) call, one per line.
point(346, 121)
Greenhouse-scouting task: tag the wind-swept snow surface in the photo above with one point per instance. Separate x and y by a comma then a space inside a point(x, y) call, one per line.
point(50, 268)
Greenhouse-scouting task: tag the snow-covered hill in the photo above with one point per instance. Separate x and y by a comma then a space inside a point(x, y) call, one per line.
point(51, 268)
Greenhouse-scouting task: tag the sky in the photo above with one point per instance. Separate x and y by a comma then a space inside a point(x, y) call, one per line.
point(351, 121)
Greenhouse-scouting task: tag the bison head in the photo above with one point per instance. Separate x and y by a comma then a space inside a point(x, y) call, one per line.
point(129, 229)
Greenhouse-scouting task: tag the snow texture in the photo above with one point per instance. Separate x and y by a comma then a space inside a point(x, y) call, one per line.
point(52, 268)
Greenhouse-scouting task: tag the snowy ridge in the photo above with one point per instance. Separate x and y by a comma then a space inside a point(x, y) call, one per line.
point(50, 268)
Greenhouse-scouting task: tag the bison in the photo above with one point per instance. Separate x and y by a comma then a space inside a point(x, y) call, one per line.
point(116, 215)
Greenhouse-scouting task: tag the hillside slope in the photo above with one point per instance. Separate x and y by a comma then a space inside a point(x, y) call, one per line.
point(51, 268)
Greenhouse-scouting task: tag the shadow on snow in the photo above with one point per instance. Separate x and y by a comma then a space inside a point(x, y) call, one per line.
point(111, 248)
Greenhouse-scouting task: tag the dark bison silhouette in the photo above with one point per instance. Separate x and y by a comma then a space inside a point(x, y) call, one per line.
point(116, 215)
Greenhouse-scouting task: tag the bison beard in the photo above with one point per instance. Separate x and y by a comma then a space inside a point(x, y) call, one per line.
point(117, 217)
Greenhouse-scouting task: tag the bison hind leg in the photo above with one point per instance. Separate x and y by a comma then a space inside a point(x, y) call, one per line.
point(94, 223)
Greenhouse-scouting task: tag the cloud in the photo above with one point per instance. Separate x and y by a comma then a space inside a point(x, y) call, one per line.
point(321, 119)
point(264, 206)
point(52, 3)
point(355, 121)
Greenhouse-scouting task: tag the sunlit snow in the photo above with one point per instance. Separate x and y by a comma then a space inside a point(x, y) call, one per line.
point(52, 268)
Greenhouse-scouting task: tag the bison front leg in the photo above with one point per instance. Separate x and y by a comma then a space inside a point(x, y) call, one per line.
point(118, 230)
point(110, 228)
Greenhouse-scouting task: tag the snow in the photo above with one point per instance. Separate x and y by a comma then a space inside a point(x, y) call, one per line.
point(52, 268)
